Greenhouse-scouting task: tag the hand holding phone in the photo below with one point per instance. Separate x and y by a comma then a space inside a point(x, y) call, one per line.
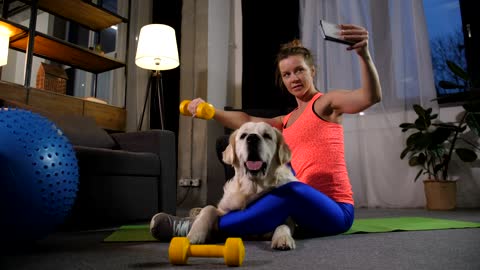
point(330, 33)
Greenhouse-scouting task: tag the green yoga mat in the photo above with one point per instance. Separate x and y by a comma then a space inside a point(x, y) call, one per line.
point(378, 225)
point(140, 233)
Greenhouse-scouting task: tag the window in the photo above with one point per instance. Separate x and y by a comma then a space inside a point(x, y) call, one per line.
point(107, 37)
point(449, 25)
point(82, 83)
point(444, 26)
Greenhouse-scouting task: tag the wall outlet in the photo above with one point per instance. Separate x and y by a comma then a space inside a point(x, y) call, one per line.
point(195, 182)
point(189, 182)
point(184, 182)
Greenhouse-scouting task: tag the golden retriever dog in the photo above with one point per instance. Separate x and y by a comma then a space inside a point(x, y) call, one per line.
point(259, 155)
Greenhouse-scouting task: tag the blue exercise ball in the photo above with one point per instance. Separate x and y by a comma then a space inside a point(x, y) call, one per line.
point(38, 176)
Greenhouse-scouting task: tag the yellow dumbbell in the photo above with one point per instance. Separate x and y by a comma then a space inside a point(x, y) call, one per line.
point(232, 252)
point(204, 110)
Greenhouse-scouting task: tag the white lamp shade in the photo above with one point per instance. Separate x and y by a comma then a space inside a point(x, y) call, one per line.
point(4, 45)
point(157, 48)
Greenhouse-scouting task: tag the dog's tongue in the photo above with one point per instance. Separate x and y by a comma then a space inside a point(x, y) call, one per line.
point(254, 165)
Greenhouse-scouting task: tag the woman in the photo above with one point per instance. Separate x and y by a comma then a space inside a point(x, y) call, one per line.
point(322, 202)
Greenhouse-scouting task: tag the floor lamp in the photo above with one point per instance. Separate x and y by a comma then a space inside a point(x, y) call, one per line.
point(156, 51)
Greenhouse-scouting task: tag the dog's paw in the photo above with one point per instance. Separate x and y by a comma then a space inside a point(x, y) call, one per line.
point(199, 231)
point(282, 238)
point(285, 242)
point(202, 225)
point(197, 237)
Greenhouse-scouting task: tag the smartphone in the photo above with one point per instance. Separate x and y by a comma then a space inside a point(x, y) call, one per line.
point(330, 33)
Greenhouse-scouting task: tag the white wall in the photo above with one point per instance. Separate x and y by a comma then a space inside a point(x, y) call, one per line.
point(385, 180)
point(209, 70)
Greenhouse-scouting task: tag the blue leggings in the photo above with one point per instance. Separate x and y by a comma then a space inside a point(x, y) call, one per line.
point(314, 213)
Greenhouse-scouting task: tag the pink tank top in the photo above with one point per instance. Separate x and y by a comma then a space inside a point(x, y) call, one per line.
point(318, 156)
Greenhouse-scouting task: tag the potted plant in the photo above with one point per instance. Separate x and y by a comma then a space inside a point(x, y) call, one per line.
point(431, 147)
point(433, 143)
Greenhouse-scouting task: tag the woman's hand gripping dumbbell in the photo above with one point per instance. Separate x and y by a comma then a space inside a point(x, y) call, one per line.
point(197, 108)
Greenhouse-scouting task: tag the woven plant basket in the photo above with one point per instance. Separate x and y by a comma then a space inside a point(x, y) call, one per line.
point(440, 195)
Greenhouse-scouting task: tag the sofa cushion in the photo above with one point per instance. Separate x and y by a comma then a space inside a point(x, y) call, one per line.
point(81, 130)
point(100, 161)
point(106, 201)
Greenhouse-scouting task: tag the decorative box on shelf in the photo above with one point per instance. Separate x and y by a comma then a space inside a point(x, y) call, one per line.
point(52, 77)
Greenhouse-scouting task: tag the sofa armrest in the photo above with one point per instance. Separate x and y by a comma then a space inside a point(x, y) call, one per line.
point(162, 143)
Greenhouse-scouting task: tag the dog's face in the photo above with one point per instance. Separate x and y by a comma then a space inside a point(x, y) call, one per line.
point(256, 150)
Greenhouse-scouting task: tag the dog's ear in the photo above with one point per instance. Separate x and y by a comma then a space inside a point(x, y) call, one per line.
point(229, 155)
point(284, 153)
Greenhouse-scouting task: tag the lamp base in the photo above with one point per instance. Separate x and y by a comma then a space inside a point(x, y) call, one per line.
point(155, 91)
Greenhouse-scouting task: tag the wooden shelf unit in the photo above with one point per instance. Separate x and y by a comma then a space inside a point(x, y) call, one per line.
point(89, 15)
point(60, 51)
point(68, 54)
point(106, 116)
point(83, 12)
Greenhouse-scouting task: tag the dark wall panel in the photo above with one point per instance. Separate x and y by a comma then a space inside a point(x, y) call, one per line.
point(169, 12)
point(266, 25)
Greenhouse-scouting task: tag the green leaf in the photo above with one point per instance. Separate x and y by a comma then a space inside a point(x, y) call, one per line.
point(466, 155)
point(446, 126)
point(413, 161)
point(424, 141)
point(440, 135)
point(433, 116)
point(457, 70)
point(450, 85)
point(405, 152)
point(421, 158)
point(421, 124)
point(419, 110)
point(473, 122)
point(418, 175)
point(414, 139)
point(406, 126)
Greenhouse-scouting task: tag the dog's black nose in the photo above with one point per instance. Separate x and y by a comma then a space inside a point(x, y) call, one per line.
point(252, 146)
point(253, 139)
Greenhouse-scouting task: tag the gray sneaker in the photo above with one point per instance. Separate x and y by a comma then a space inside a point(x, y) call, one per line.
point(194, 212)
point(164, 226)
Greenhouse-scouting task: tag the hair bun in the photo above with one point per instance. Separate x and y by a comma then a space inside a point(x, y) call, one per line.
point(296, 43)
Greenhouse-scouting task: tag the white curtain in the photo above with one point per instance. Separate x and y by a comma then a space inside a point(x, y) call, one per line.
point(399, 46)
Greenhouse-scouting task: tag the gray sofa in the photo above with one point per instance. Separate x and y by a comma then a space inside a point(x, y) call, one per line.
point(124, 177)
